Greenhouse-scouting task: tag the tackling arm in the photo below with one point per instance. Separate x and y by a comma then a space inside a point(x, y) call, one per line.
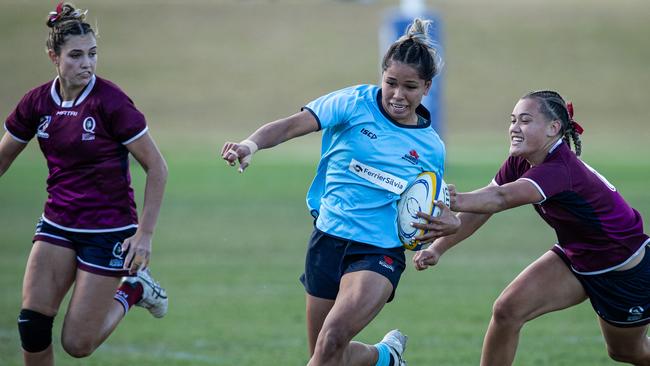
point(469, 223)
point(493, 198)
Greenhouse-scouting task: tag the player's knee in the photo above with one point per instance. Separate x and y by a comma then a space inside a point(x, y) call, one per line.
point(506, 311)
point(35, 330)
point(331, 341)
point(627, 354)
point(619, 356)
point(77, 345)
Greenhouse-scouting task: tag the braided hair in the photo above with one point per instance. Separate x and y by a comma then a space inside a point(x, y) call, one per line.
point(65, 21)
point(553, 106)
point(417, 49)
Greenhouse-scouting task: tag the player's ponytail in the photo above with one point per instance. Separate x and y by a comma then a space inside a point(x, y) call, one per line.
point(417, 49)
point(65, 21)
point(553, 106)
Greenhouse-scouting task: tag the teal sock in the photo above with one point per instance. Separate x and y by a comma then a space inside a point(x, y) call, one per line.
point(384, 355)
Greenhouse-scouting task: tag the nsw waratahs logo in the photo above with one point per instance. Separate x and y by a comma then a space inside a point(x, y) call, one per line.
point(412, 157)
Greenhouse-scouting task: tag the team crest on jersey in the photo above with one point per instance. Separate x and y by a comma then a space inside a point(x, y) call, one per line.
point(42, 126)
point(412, 157)
point(89, 128)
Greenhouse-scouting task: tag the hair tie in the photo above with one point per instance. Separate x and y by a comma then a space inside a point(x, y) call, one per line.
point(54, 15)
point(576, 127)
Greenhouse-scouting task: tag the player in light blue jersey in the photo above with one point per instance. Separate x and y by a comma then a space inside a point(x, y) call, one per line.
point(376, 140)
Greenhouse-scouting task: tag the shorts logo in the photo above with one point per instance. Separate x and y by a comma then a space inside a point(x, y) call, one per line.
point(387, 262)
point(42, 126)
point(380, 178)
point(118, 261)
point(88, 126)
point(412, 157)
point(636, 312)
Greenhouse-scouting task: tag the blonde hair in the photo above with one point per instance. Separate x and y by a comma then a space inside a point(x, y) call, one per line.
point(66, 21)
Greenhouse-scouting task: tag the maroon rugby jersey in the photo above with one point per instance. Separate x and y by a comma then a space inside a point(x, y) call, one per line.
point(83, 142)
point(596, 229)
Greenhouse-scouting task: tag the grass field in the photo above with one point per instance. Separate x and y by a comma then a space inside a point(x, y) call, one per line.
point(229, 247)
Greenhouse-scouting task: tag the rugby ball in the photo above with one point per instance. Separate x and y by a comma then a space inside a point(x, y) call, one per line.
point(419, 196)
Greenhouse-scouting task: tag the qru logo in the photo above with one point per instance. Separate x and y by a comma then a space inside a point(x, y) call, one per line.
point(89, 125)
point(118, 261)
point(636, 312)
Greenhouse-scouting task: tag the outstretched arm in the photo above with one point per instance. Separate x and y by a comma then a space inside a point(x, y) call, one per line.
point(469, 223)
point(475, 209)
point(9, 150)
point(494, 198)
point(267, 136)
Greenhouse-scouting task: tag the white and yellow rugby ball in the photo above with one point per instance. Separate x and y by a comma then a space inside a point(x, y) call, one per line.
point(419, 196)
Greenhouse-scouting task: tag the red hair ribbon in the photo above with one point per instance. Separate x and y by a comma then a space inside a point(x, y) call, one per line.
point(574, 124)
point(55, 14)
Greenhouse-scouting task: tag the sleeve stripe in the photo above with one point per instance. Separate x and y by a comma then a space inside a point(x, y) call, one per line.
point(136, 136)
point(14, 136)
point(538, 188)
point(320, 127)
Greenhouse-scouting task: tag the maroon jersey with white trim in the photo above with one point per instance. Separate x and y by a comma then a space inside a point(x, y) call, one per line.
point(83, 141)
point(595, 226)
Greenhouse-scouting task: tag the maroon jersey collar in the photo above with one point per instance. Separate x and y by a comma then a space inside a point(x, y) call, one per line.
point(80, 98)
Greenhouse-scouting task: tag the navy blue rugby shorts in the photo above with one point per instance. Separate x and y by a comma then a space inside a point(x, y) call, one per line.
point(99, 253)
point(621, 298)
point(329, 258)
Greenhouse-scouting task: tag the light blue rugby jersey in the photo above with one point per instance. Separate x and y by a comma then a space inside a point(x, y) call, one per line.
point(367, 160)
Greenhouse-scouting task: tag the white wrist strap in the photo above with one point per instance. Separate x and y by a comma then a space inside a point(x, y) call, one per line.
point(251, 145)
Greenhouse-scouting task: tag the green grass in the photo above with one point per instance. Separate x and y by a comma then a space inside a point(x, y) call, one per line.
point(229, 247)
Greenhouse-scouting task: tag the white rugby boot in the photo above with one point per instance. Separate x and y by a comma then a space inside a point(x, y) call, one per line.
point(396, 341)
point(154, 297)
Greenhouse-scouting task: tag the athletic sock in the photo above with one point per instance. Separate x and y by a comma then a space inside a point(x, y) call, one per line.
point(385, 357)
point(128, 294)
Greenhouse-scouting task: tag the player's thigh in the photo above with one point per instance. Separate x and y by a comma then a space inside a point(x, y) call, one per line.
point(361, 297)
point(544, 286)
point(624, 341)
point(49, 274)
point(90, 304)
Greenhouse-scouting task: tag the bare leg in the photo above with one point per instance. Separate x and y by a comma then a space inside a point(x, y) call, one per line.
point(317, 310)
point(544, 286)
point(629, 345)
point(92, 313)
point(361, 296)
point(48, 277)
